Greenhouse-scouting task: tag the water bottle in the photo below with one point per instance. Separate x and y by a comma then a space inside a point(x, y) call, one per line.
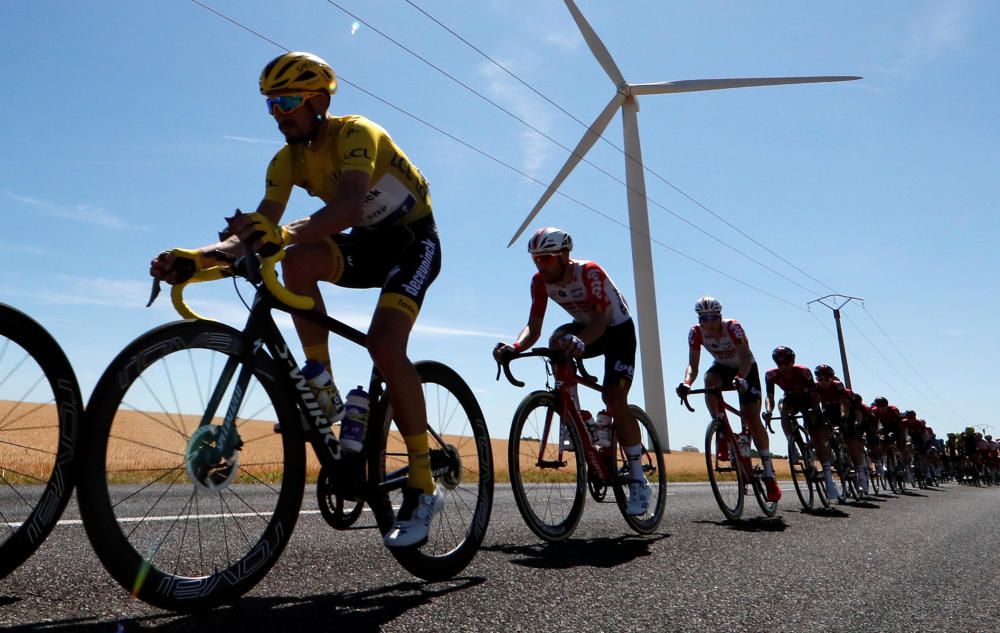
point(326, 392)
point(352, 429)
point(744, 443)
point(603, 428)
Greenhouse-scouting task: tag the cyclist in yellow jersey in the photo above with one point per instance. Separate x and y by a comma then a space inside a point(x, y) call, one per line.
point(368, 185)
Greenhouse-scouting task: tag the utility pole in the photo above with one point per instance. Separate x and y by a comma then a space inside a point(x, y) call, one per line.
point(840, 301)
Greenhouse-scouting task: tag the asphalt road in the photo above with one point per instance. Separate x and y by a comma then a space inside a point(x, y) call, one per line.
point(925, 561)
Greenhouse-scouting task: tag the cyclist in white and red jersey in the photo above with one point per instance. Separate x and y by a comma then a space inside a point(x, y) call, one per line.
point(800, 397)
point(602, 325)
point(735, 365)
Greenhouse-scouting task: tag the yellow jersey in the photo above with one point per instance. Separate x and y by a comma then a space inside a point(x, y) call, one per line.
point(398, 194)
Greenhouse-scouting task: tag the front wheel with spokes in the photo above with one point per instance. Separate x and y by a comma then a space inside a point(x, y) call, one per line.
point(461, 459)
point(724, 473)
point(187, 494)
point(653, 467)
point(548, 481)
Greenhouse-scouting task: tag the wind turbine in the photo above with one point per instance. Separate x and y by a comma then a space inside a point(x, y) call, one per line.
point(642, 260)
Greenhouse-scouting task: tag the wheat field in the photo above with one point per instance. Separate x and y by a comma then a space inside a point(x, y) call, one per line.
point(144, 444)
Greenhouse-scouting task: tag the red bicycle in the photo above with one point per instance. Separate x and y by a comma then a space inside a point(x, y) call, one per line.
point(550, 474)
point(731, 465)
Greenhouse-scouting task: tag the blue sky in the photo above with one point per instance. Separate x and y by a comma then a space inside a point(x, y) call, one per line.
point(132, 127)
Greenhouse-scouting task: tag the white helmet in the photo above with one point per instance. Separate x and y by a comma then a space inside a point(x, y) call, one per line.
point(549, 240)
point(708, 305)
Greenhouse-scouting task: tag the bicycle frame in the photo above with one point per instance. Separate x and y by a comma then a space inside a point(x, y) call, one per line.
point(565, 382)
point(261, 330)
point(743, 462)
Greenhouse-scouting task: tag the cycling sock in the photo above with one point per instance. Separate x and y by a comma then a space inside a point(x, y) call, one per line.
point(765, 458)
point(319, 353)
point(420, 463)
point(634, 456)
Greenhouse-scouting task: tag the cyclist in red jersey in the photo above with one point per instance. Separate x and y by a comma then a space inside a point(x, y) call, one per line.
point(602, 325)
point(800, 397)
point(868, 426)
point(838, 409)
point(891, 423)
point(912, 432)
point(735, 365)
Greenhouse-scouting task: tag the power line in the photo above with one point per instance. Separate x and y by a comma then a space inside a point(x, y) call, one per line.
point(891, 364)
point(612, 144)
point(559, 144)
point(907, 361)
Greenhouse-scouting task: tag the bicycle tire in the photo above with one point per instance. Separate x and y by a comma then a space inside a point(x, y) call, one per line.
point(462, 461)
point(653, 466)
point(729, 493)
point(137, 460)
point(550, 499)
point(769, 508)
point(803, 477)
point(40, 413)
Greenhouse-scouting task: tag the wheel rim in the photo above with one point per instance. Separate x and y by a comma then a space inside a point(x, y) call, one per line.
point(726, 479)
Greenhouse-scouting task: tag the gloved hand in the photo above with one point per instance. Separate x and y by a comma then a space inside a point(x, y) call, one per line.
point(572, 345)
point(503, 351)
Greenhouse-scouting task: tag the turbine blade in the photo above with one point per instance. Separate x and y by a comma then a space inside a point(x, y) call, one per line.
point(695, 85)
point(589, 138)
point(596, 45)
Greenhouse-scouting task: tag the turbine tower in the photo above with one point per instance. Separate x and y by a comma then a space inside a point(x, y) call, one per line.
point(642, 260)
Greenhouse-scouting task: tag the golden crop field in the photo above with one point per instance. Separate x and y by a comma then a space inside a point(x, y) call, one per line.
point(145, 446)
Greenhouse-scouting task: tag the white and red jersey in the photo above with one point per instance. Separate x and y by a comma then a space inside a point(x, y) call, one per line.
point(589, 292)
point(722, 349)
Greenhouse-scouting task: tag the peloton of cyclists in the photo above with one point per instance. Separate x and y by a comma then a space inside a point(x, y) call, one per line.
point(734, 364)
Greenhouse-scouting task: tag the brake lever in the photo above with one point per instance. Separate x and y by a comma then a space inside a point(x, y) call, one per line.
point(155, 292)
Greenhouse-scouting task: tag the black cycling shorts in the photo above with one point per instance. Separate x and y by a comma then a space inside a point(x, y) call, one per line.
point(801, 402)
point(726, 375)
point(617, 345)
point(402, 260)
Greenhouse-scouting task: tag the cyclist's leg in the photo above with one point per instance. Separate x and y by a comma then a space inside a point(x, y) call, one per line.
point(750, 414)
point(618, 344)
point(821, 432)
point(715, 378)
point(303, 267)
point(412, 271)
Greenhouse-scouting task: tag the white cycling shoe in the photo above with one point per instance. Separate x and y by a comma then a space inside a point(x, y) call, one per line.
point(639, 494)
point(413, 521)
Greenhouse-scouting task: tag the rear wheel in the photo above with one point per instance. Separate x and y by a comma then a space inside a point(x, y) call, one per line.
point(40, 409)
point(462, 466)
point(548, 481)
point(769, 508)
point(653, 467)
point(183, 514)
point(725, 476)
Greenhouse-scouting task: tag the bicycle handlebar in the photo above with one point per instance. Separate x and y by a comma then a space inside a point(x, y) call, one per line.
point(251, 267)
point(718, 391)
point(555, 355)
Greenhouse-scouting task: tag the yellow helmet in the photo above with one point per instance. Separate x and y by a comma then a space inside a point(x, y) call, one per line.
point(297, 71)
